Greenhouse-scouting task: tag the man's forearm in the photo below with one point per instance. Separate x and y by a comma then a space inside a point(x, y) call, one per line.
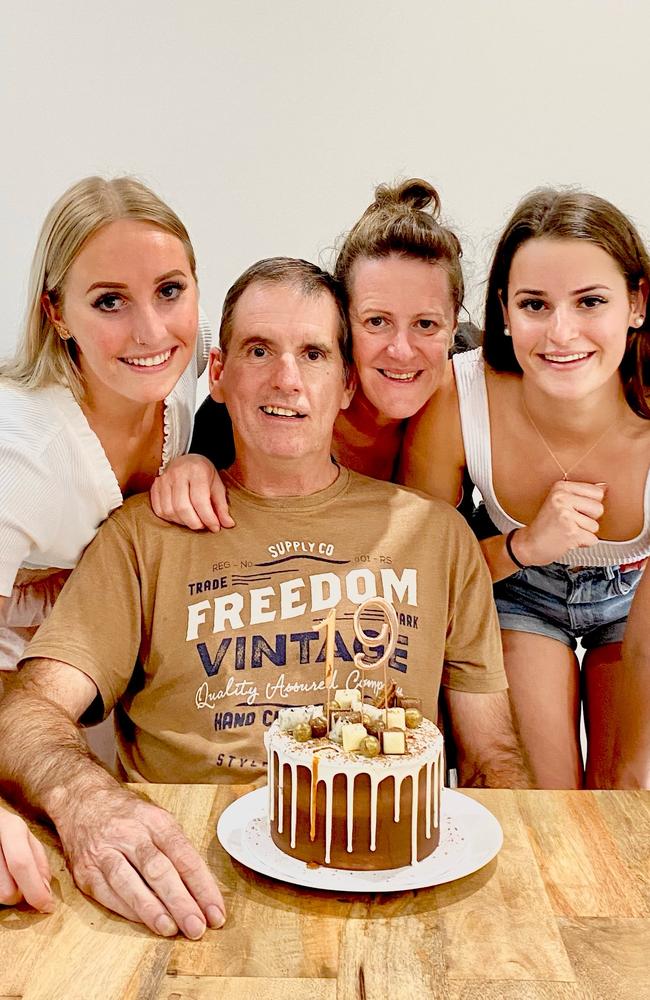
point(503, 767)
point(123, 851)
point(44, 758)
point(489, 752)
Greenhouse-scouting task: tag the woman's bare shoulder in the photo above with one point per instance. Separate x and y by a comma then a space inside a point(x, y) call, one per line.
point(433, 456)
point(443, 403)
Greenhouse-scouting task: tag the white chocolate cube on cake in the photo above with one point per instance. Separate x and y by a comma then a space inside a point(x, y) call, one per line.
point(352, 733)
point(349, 699)
point(393, 740)
point(396, 719)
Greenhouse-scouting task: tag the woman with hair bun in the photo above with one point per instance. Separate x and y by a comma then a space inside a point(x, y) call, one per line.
point(401, 272)
point(98, 398)
point(552, 422)
point(403, 282)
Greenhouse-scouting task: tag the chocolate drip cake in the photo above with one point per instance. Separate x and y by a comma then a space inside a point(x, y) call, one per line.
point(358, 791)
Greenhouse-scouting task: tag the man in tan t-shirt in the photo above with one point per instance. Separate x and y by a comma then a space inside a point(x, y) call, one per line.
point(223, 628)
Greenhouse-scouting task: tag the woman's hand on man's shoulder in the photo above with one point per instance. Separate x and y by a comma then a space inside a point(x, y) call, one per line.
point(190, 492)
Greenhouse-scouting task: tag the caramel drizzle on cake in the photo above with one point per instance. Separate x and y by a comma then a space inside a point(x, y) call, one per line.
point(312, 801)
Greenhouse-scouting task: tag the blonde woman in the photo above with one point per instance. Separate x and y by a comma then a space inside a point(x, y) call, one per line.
point(98, 398)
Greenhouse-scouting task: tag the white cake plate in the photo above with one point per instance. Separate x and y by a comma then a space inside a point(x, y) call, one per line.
point(470, 836)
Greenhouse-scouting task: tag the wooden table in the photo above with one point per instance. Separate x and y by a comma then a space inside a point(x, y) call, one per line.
point(563, 911)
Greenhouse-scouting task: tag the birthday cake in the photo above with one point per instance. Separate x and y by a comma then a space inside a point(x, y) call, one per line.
point(357, 786)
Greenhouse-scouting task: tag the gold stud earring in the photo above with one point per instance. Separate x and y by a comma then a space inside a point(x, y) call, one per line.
point(63, 333)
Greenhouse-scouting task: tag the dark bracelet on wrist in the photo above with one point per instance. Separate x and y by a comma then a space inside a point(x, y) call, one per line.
point(511, 554)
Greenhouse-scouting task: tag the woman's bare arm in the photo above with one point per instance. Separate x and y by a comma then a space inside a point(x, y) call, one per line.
point(190, 492)
point(433, 456)
point(568, 518)
point(433, 460)
point(24, 869)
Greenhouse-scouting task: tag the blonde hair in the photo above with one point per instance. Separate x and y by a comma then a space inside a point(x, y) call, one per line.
point(42, 357)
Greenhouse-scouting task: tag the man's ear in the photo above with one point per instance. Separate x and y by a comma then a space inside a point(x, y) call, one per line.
point(215, 372)
point(351, 382)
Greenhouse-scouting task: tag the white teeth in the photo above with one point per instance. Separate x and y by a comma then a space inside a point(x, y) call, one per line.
point(280, 411)
point(157, 359)
point(563, 358)
point(399, 376)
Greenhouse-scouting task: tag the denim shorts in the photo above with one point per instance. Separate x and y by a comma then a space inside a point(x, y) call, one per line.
point(590, 604)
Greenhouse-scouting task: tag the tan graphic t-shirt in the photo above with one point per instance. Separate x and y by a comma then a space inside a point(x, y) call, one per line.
point(222, 628)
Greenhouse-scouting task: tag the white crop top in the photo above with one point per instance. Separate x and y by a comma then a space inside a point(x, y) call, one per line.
point(475, 423)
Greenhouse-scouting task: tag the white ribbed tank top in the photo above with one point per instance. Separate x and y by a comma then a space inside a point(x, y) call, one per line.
point(475, 423)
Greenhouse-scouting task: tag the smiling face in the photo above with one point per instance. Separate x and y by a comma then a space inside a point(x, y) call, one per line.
point(569, 311)
point(403, 321)
point(130, 303)
point(283, 381)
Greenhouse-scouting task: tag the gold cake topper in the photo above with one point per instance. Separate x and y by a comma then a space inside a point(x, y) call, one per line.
point(386, 637)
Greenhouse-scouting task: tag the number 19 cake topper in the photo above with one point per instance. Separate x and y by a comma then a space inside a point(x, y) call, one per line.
point(386, 637)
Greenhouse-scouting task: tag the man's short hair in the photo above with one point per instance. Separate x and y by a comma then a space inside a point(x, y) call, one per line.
point(308, 278)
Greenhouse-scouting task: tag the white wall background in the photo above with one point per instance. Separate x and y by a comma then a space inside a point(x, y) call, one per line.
point(267, 124)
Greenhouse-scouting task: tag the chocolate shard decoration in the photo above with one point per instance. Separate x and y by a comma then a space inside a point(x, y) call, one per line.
point(405, 701)
point(386, 699)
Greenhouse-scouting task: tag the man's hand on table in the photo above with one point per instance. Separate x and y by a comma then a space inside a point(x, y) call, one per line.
point(127, 854)
point(24, 871)
point(133, 857)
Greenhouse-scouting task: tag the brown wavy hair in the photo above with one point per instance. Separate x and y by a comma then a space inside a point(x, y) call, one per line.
point(572, 215)
point(403, 220)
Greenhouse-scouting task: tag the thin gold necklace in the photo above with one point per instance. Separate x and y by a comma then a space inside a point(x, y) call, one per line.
point(565, 472)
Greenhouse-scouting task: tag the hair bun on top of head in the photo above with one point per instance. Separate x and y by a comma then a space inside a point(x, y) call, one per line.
point(403, 220)
point(414, 193)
